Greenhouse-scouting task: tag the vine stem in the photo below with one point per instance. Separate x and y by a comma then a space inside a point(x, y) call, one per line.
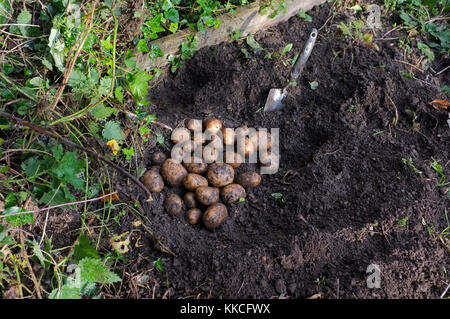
point(69, 143)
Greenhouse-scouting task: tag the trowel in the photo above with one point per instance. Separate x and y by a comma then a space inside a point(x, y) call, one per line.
point(275, 99)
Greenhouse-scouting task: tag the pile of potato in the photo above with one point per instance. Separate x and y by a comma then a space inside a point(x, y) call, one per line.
point(208, 187)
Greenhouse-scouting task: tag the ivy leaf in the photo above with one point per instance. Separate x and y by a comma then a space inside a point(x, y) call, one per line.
point(84, 249)
point(138, 84)
point(142, 46)
point(93, 270)
point(425, 49)
point(155, 52)
point(112, 131)
point(173, 15)
point(24, 17)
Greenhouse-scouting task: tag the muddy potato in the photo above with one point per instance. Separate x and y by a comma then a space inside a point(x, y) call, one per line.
point(246, 148)
point(189, 200)
point(207, 195)
point(194, 215)
point(180, 135)
point(173, 204)
point(234, 161)
point(210, 154)
point(215, 215)
point(173, 172)
point(229, 137)
point(198, 139)
point(156, 168)
point(192, 181)
point(220, 174)
point(153, 181)
point(194, 125)
point(232, 193)
point(242, 131)
point(249, 179)
point(267, 158)
point(196, 165)
point(158, 158)
point(213, 125)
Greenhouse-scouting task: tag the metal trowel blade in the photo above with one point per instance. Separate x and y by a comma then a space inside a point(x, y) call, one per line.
point(274, 100)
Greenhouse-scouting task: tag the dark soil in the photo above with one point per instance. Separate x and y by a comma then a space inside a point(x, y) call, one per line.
point(346, 187)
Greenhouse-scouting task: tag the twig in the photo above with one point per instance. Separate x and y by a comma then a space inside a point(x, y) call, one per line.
point(395, 109)
point(82, 148)
point(30, 269)
point(411, 65)
point(443, 70)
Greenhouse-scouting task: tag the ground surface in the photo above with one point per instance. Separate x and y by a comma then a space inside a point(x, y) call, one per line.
point(345, 190)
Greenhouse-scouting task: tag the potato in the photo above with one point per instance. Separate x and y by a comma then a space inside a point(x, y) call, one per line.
point(215, 215)
point(194, 215)
point(156, 168)
point(262, 140)
point(173, 172)
point(248, 179)
point(182, 150)
point(210, 154)
point(153, 181)
point(267, 158)
point(189, 200)
point(207, 195)
point(236, 160)
point(242, 131)
point(180, 135)
point(197, 165)
point(220, 174)
point(192, 181)
point(232, 193)
point(213, 125)
point(229, 137)
point(158, 158)
point(198, 139)
point(194, 125)
point(173, 204)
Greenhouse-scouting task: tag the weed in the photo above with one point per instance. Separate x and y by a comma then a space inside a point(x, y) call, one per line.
point(410, 164)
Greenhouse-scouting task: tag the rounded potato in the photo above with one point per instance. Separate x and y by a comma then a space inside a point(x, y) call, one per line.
point(196, 165)
point(173, 172)
point(158, 158)
point(232, 193)
point(267, 158)
point(249, 179)
point(228, 135)
point(173, 204)
point(180, 135)
point(153, 181)
point(189, 200)
point(235, 160)
point(210, 154)
point(194, 215)
point(214, 125)
point(194, 125)
point(215, 215)
point(207, 195)
point(220, 174)
point(192, 181)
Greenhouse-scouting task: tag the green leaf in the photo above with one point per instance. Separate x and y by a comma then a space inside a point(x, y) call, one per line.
point(172, 14)
point(118, 93)
point(102, 112)
point(158, 264)
point(18, 220)
point(38, 253)
point(10, 200)
point(105, 86)
point(24, 17)
point(286, 49)
point(425, 49)
point(93, 270)
point(84, 249)
point(253, 44)
point(76, 79)
point(113, 131)
point(69, 168)
point(313, 85)
point(142, 46)
point(302, 14)
point(155, 52)
point(6, 11)
point(128, 152)
point(173, 27)
point(67, 292)
point(138, 84)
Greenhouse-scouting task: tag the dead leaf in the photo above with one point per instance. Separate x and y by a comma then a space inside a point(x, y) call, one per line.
point(120, 246)
point(109, 198)
point(114, 146)
point(443, 104)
